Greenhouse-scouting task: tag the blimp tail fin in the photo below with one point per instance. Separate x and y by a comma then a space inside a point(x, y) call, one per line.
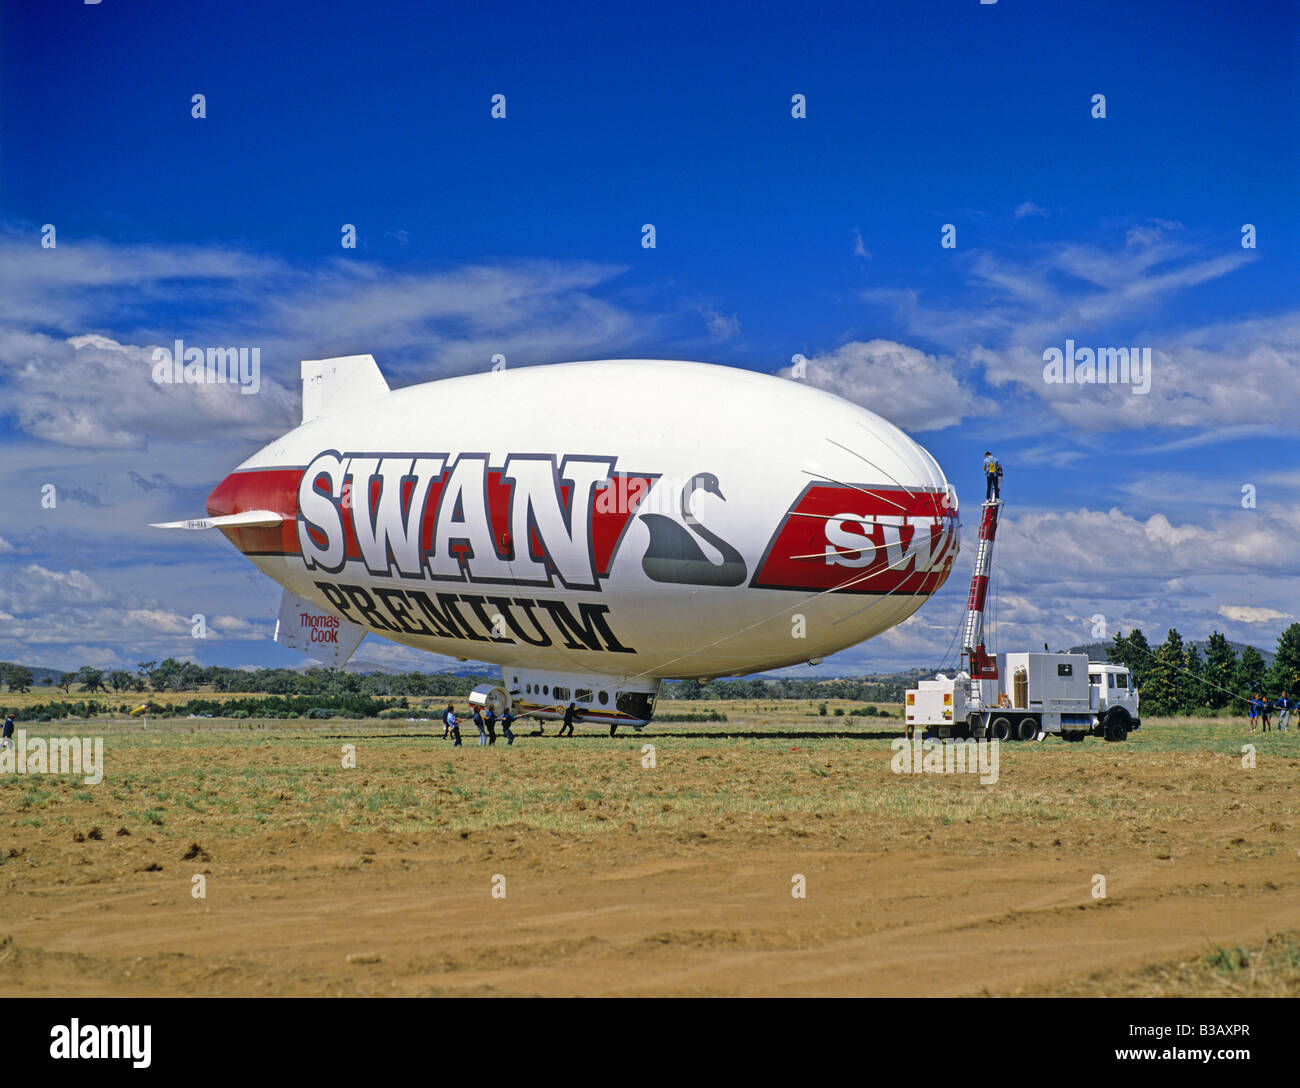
point(311, 630)
point(331, 384)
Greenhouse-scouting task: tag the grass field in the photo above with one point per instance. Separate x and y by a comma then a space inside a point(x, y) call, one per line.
point(625, 878)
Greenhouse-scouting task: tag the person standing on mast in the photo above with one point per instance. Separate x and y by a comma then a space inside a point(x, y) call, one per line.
point(992, 477)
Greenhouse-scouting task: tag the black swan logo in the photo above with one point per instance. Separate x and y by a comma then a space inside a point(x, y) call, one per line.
point(674, 555)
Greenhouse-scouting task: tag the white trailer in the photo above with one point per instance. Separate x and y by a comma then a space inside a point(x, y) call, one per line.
point(1020, 696)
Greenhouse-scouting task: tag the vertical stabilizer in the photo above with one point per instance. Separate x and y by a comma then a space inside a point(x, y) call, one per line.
point(311, 630)
point(329, 385)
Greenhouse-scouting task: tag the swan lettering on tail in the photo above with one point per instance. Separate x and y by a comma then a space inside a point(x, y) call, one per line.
point(674, 554)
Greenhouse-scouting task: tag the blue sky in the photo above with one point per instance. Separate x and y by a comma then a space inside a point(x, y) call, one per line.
point(775, 236)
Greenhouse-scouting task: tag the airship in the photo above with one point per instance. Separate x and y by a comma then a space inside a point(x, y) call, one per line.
point(593, 528)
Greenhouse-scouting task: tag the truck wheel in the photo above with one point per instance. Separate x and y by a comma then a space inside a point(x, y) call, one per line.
point(1000, 728)
point(1116, 728)
point(1027, 729)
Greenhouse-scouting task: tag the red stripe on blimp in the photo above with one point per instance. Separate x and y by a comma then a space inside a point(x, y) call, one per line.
point(260, 489)
point(862, 539)
point(611, 509)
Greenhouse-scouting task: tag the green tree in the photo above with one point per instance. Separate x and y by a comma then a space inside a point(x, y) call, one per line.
point(1194, 694)
point(1251, 672)
point(90, 679)
point(144, 670)
point(66, 680)
point(1220, 670)
point(1285, 674)
point(166, 675)
point(1163, 690)
point(19, 678)
point(1134, 652)
point(120, 679)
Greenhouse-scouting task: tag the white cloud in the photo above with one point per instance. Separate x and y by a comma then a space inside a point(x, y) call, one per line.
point(1150, 232)
point(1029, 208)
point(1088, 544)
point(723, 326)
point(92, 392)
point(1251, 614)
point(73, 285)
point(912, 390)
point(1231, 374)
point(37, 588)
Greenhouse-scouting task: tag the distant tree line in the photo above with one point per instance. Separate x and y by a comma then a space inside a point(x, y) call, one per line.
point(864, 691)
point(1175, 679)
point(171, 675)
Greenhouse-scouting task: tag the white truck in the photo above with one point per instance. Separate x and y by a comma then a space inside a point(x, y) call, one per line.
point(1033, 693)
point(1020, 696)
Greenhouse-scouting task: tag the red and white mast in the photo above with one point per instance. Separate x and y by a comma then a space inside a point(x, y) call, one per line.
point(979, 664)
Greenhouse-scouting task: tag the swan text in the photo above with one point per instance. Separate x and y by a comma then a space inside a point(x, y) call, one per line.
point(533, 521)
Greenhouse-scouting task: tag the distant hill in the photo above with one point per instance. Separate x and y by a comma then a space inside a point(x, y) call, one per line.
point(39, 674)
point(363, 666)
point(908, 675)
point(1096, 651)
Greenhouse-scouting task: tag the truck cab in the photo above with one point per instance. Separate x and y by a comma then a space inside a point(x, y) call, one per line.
point(1112, 686)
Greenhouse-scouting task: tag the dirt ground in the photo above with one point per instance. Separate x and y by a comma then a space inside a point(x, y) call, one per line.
point(623, 879)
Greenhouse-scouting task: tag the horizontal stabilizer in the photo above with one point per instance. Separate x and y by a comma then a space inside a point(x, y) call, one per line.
point(311, 630)
point(226, 521)
point(331, 385)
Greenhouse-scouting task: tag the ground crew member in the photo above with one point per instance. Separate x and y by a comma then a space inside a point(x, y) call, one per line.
point(490, 720)
point(506, 719)
point(450, 725)
point(7, 740)
point(1265, 710)
point(569, 715)
point(482, 733)
point(1285, 705)
point(1253, 706)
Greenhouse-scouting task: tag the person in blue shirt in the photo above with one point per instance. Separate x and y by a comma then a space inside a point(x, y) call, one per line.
point(451, 725)
point(490, 720)
point(1265, 711)
point(1253, 710)
point(992, 477)
point(1285, 705)
point(506, 719)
